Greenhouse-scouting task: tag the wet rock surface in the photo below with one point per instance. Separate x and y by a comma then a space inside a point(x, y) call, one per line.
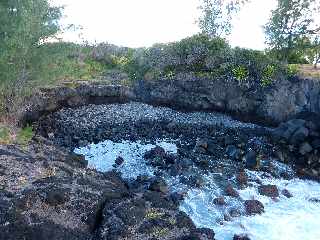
point(299, 143)
point(47, 193)
point(253, 207)
point(269, 191)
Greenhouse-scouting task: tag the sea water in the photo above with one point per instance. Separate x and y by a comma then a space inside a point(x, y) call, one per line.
point(293, 218)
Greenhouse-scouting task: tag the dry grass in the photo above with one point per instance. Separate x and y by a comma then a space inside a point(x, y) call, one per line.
point(308, 71)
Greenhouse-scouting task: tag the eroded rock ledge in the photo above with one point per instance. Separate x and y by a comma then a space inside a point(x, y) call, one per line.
point(49, 100)
point(270, 105)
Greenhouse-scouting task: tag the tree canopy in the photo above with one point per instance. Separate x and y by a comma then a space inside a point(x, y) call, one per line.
point(292, 21)
point(24, 24)
point(215, 20)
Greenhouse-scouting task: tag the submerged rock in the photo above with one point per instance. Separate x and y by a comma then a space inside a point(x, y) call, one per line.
point(286, 193)
point(230, 191)
point(219, 201)
point(119, 161)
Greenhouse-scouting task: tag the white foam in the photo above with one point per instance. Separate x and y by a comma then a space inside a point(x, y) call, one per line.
point(293, 218)
point(296, 218)
point(102, 156)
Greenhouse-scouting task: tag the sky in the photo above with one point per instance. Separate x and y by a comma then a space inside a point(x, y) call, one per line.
point(141, 23)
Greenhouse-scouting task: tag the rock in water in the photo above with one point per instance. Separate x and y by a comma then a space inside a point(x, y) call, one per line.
point(233, 152)
point(250, 160)
point(269, 190)
point(241, 237)
point(219, 201)
point(159, 185)
point(253, 207)
point(230, 191)
point(119, 160)
point(286, 193)
point(242, 178)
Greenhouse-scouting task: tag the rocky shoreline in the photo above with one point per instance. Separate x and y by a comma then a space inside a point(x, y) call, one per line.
point(49, 193)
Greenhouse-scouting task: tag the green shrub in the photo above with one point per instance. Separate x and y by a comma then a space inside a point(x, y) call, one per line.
point(292, 70)
point(25, 135)
point(268, 75)
point(240, 73)
point(5, 137)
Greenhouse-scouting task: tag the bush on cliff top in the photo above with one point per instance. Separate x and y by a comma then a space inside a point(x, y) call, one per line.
point(208, 57)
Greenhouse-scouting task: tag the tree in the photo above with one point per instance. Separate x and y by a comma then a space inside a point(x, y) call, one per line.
point(215, 20)
point(24, 24)
point(291, 21)
point(314, 51)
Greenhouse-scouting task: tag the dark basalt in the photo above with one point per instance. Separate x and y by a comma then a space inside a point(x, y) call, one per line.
point(253, 207)
point(49, 194)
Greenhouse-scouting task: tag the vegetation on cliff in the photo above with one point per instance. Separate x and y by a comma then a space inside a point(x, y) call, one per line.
point(31, 56)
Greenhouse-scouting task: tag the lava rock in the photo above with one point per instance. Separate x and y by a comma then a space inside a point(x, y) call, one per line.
point(305, 148)
point(286, 193)
point(233, 152)
point(219, 201)
point(269, 191)
point(250, 160)
point(203, 234)
point(196, 181)
point(241, 237)
point(57, 196)
point(201, 145)
point(234, 212)
point(177, 197)
point(253, 207)
point(155, 152)
point(159, 185)
point(230, 191)
point(242, 178)
point(119, 161)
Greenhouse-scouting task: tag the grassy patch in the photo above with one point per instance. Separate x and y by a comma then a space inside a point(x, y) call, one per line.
point(25, 135)
point(308, 71)
point(5, 136)
point(154, 214)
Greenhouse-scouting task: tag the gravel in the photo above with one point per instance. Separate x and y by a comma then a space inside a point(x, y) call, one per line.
point(115, 114)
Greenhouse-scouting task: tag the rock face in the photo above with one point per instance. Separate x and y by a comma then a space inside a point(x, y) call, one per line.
point(298, 140)
point(273, 104)
point(47, 193)
point(50, 100)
